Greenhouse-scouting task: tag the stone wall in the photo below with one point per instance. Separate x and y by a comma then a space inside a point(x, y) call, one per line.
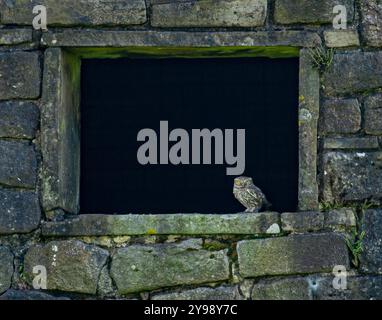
point(266, 256)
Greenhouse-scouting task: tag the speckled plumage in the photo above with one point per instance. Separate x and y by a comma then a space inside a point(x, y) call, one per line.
point(249, 195)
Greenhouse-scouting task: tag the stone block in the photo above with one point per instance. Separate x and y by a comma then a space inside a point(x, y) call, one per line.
point(76, 12)
point(373, 114)
point(71, 265)
point(341, 38)
point(142, 268)
point(15, 36)
point(308, 11)
point(299, 222)
point(20, 211)
point(371, 15)
point(353, 72)
point(20, 75)
point(297, 254)
point(351, 176)
point(18, 119)
point(6, 268)
point(340, 116)
point(204, 293)
point(18, 164)
point(351, 143)
point(209, 13)
point(371, 257)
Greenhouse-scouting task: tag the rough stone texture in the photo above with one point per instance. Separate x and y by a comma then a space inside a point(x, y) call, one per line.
point(341, 38)
point(19, 75)
point(308, 11)
point(372, 22)
point(71, 265)
point(302, 221)
point(29, 295)
point(20, 211)
point(18, 164)
point(358, 288)
point(353, 72)
point(209, 13)
point(317, 287)
point(351, 143)
point(219, 293)
point(371, 257)
point(309, 107)
point(18, 119)
point(120, 39)
point(15, 36)
point(373, 114)
point(60, 144)
point(295, 288)
point(136, 267)
point(105, 286)
point(6, 268)
point(351, 176)
point(340, 116)
point(186, 224)
point(76, 12)
point(202, 270)
point(296, 254)
point(338, 219)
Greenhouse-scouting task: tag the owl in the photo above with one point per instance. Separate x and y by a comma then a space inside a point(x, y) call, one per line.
point(249, 195)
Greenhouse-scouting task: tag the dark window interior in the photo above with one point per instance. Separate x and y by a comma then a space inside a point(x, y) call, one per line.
point(122, 96)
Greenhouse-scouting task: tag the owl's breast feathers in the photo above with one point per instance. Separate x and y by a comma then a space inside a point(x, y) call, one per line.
point(249, 197)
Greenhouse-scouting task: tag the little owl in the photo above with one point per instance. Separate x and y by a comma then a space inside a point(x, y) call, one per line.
point(249, 195)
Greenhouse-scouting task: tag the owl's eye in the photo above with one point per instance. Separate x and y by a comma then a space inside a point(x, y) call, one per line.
point(238, 183)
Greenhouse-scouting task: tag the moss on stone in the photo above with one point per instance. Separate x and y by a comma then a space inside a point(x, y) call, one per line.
point(187, 52)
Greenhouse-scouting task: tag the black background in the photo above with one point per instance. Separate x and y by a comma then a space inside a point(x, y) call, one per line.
point(120, 97)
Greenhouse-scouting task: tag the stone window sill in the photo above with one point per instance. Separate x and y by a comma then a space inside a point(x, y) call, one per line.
point(165, 224)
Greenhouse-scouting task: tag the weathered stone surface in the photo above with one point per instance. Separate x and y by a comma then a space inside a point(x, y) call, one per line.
point(105, 286)
point(372, 22)
point(18, 164)
point(135, 268)
point(352, 176)
point(20, 75)
point(121, 39)
point(295, 254)
point(20, 211)
point(302, 221)
point(358, 288)
point(351, 143)
point(15, 36)
point(209, 13)
point(182, 224)
point(373, 114)
point(18, 119)
point(353, 72)
point(309, 107)
point(341, 38)
point(76, 12)
point(29, 295)
point(338, 219)
point(317, 287)
point(371, 257)
point(60, 145)
point(219, 293)
point(307, 11)
point(295, 288)
point(6, 268)
point(71, 265)
point(340, 116)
